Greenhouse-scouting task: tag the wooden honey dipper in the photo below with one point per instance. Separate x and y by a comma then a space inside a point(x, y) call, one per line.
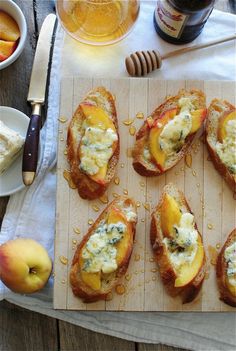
point(141, 63)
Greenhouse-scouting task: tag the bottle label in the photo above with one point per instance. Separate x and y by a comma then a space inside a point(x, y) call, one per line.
point(169, 20)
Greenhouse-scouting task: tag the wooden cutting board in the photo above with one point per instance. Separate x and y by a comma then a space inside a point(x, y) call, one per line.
point(207, 193)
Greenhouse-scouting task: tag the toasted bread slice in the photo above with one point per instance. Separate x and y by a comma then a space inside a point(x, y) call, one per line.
point(186, 278)
point(148, 166)
point(90, 281)
point(227, 290)
point(217, 111)
point(88, 187)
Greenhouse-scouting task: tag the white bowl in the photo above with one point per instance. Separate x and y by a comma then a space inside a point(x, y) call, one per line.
point(15, 12)
point(11, 179)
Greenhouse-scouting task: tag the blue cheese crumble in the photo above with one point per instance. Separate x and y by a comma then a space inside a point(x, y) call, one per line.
point(227, 150)
point(96, 148)
point(99, 253)
point(182, 249)
point(230, 257)
point(176, 130)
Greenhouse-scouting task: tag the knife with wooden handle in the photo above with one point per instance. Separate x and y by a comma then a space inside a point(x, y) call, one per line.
point(36, 97)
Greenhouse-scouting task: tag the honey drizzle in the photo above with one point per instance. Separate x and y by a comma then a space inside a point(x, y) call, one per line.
point(67, 176)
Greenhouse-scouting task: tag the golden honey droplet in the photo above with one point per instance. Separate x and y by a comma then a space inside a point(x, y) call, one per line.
point(73, 247)
point(125, 192)
point(120, 289)
point(143, 220)
point(63, 119)
point(213, 254)
point(132, 130)
point(138, 203)
point(137, 257)
point(151, 259)
point(109, 296)
point(198, 185)
point(122, 165)
point(76, 230)
point(62, 139)
point(218, 246)
point(63, 260)
point(209, 226)
point(95, 208)
point(128, 277)
point(60, 131)
point(129, 152)
point(104, 199)
point(63, 281)
point(67, 176)
point(74, 241)
point(65, 152)
point(154, 270)
point(140, 115)
point(146, 206)
point(128, 122)
point(115, 195)
point(117, 180)
point(194, 173)
point(136, 272)
point(142, 184)
point(154, 278)
point(90, 221)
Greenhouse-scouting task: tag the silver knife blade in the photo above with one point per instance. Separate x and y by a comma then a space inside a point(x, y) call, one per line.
point(38, 80)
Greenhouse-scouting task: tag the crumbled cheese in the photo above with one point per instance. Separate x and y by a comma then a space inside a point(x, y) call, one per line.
point(176, 130)
point(146, 153)
point(99, 253)
point(96, 148)
point(227, 150)
point(130, 215)
point(10, 144)
point(230, 257)
point(183, 247)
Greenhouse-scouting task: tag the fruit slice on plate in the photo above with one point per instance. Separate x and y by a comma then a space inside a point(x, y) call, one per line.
point(6, 49)
point(198, 117)
point(9, 29)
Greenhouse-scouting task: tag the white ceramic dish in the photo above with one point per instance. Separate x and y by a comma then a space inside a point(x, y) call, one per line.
point(15, 12)
point(11, 179)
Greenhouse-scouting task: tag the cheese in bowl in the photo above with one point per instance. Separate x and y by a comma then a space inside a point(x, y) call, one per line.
point(11, 144)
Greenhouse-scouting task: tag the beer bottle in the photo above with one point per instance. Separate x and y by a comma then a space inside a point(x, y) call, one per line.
point(181, 21)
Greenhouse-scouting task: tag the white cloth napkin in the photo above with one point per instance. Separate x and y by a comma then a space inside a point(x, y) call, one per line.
point(31, 212)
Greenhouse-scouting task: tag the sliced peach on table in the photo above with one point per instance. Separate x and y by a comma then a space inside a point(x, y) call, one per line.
point(170, 215)
point(6, 49)
point(154, 145)
point(198, 117)
point(9, 29)
point(123, 245)
point(188, 271)
point(228, 116)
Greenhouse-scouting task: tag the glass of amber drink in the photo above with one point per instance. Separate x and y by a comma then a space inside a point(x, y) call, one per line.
point(98, 22)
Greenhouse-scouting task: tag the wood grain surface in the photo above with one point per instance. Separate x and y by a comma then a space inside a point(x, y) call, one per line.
point(210, 199)
point(57, 335)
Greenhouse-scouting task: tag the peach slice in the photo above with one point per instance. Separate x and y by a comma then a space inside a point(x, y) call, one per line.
point(198, 117)
point(6, 49)
point(228, 116)
point(9, 29)
point(123, 245)
point(97, 117)
point(93, 280)
point(189, 271)
point(154, 146)
point(170, 215)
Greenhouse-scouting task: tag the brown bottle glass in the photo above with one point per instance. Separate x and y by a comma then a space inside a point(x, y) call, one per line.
point(181, 21)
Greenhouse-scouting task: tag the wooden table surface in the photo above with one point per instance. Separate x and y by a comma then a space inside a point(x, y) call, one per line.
point(21, 329)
